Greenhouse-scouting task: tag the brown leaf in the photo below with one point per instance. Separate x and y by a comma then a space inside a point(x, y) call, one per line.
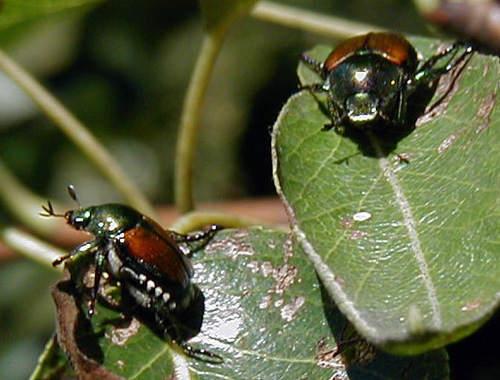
point(70, 321)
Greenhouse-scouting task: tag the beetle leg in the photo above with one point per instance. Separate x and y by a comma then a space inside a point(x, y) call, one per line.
point(332, 110)
point(170, 329)
point(429, 63)
point(314, 64)
point(335, 116)
point(96, 247)
point(401, 111)
point(61, 259)
point(197, 236)
point(203, 237)
point(316, 87)
point(200, 353)
point(451, 49)
point(318, 67)
point(174, 330)
point(427, 74)
point(100, 260)
point(83, 248)
point(48, 211)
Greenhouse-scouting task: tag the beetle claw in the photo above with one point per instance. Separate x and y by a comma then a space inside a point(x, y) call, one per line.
point(201, 354)
point(60, 260)
point(48, 211)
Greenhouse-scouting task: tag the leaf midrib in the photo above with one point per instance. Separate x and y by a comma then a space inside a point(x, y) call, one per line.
point(411, 226)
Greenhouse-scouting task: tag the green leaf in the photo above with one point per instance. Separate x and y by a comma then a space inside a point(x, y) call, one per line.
point(220, 14)
point(403, 234)
point(13, 12)
point(52, 364)
point(266, 315)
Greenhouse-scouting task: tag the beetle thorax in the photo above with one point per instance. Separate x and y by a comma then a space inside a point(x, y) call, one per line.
point(105, 220)
point(365, 88)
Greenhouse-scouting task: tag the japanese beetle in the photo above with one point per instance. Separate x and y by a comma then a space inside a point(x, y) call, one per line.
point(146, 262)
point(369, 78)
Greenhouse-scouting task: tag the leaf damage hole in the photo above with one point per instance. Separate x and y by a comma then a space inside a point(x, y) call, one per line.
point(232, 247)
point(349, 222)
point(451, 139)
point(471, 306)
point(328, 356)
point(284, 276)
point(485, 110)
point(357, 234)
point(119, 335)
point(271, 243)
point(265, 302)
point(484, 114)
point(356, 350)
point(288, 312)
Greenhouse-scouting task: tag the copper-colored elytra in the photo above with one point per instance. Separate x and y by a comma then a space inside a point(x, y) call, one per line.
point(393, 47)
point(159, 250)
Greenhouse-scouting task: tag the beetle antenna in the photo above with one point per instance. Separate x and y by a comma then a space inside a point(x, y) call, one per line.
point(48, 211)
point(72, 194)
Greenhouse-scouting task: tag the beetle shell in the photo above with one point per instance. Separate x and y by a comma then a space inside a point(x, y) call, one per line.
point(366, 89)
point(391, 46)
point(157, 249)
point(151, 267)
point(147, 264)
point(368, 79)
point(153, 271)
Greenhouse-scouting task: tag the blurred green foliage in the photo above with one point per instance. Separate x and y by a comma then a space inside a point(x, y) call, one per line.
point(123, 67)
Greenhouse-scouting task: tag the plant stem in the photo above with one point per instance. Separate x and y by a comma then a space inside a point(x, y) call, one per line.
point(297, 18)
point(30, 246)
point(77, 132)
point(190, 120)
point(195, 220)
point(22, 203)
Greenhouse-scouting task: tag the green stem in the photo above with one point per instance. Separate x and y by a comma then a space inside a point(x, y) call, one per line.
point(30, 246)
point(77, 132)
point(22, 203)
point(312, 22)
point(195, 220)
point(191, 118)
point(195, 97)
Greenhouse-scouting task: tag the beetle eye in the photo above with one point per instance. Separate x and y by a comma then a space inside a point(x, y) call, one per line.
point(80, 220)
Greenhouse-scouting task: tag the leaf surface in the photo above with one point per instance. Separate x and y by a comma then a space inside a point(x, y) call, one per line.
point(402, 232)
point(266, 315)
